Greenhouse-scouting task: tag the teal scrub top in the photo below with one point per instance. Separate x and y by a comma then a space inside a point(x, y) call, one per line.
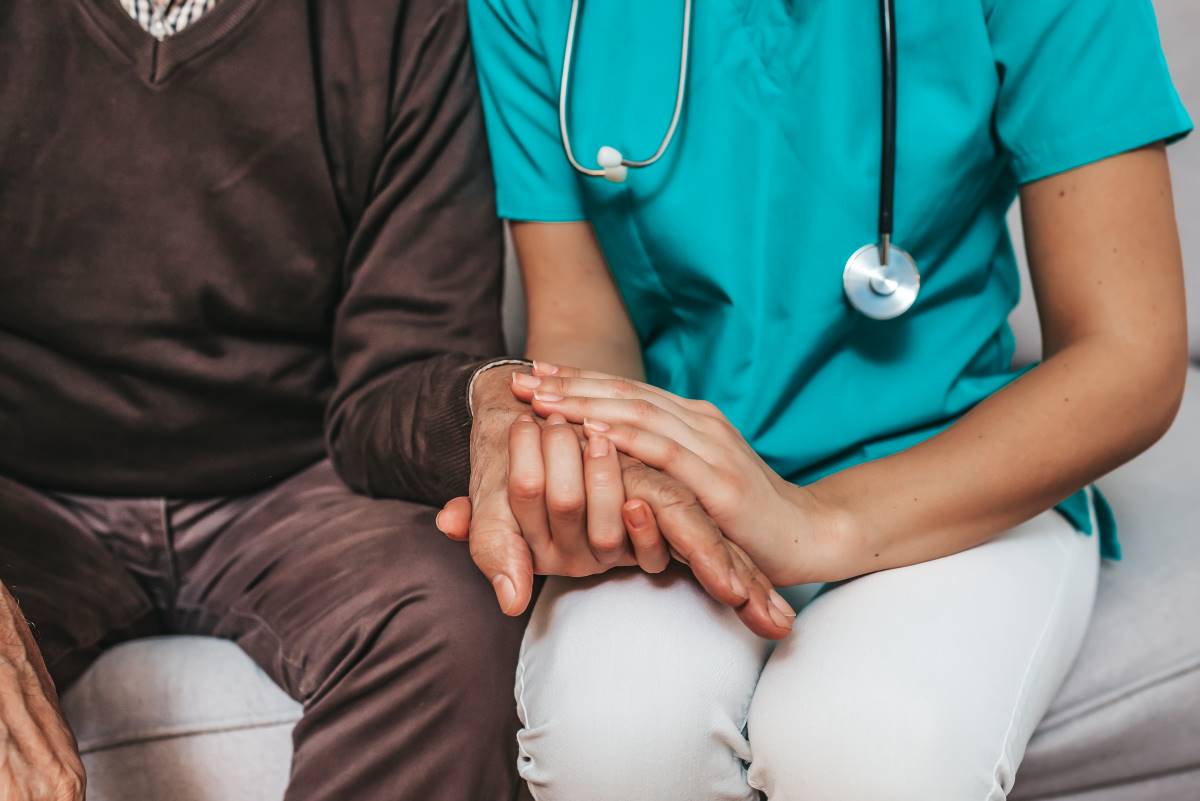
point(729, 252)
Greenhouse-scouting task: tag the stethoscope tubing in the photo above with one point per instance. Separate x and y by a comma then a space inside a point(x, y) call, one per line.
point(887, 175)
point(565, 84)
point(887, 172)
point(880, 280)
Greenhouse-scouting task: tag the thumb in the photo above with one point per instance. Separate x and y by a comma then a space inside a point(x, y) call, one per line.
point(503, 556)
point(455, 518)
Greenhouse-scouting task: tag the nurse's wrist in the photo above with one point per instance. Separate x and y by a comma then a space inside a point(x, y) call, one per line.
point(830, 540)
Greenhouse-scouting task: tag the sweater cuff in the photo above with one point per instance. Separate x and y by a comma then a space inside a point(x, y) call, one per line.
point(449, 429)
point(480, 371)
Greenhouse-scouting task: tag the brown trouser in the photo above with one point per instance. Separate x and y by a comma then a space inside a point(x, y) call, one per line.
point(358, 608)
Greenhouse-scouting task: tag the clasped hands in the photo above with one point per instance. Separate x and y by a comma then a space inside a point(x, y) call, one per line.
point(577, 472)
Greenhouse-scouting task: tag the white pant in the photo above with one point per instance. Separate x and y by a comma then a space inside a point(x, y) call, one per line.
point(923, 683)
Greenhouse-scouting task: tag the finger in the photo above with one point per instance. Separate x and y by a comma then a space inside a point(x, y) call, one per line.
point(689, 532)
point(723, 575)
point(566, 496)
point(526, 385)
point(605, 497)
point(767, 614)
point(527, 482)
point(454, 520)
point(648, 544)
point(544, 370)
point(660, 452)
point(501, 553)
point(639, 413)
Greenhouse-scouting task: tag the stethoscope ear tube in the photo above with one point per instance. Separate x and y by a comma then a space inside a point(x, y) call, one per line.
point(880, 280)
point(613, 165)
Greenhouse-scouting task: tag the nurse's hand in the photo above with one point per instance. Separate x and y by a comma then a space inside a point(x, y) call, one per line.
point(783, 527)
point(663, 517)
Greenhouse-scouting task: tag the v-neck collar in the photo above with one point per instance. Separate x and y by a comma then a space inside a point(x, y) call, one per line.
point(156, 61)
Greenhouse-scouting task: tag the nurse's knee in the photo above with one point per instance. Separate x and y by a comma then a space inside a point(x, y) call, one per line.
point(907, 748)
point(634, 687)
point(613, 752)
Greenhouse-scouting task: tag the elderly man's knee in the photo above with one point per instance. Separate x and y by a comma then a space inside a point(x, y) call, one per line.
point(433, 625)
point(457, 624)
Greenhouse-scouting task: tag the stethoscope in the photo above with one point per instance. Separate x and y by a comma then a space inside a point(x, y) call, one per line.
point(880, 279)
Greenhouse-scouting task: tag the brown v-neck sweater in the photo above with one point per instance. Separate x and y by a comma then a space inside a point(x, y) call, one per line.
point(224, 254)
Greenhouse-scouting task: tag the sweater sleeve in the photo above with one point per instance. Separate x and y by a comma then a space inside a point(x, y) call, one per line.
point(420, 310)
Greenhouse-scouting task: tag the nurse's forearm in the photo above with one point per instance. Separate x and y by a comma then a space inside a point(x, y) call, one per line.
point(1105, 262)
point(1083, 412)
point(575, 313)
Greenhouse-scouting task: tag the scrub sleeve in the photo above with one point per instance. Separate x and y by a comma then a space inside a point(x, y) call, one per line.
point(534, 180)
point(1079, 82)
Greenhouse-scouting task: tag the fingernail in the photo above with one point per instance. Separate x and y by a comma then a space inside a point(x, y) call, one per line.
point(781, 604)
point(779, 618)
point(735, 584)
point(545, 368)
point(524, 418)
point(597, 447)
point(595, 425)
point(638, 516)
point(437, 521)
point(526, 380)
point(556, 419)
point(547, 397)
point(505, 591)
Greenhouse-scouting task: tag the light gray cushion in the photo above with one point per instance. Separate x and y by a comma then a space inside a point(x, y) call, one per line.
point(181, 719)
point(1169, 787)
point(1131, 707)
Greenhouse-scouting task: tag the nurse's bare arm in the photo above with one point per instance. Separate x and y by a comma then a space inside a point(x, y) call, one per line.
point(1107, 274)
point(576, 315)
point(1104, 254)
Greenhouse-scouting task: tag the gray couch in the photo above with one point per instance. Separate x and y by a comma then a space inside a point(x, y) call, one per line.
point(193, 719)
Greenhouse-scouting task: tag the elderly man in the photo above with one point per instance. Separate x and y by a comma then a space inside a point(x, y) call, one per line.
point(249, 293)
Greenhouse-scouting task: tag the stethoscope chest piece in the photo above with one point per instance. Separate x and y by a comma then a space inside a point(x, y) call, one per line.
point(879, 291)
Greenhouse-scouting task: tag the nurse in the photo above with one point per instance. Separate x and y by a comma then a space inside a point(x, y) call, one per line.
point(938, 497)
